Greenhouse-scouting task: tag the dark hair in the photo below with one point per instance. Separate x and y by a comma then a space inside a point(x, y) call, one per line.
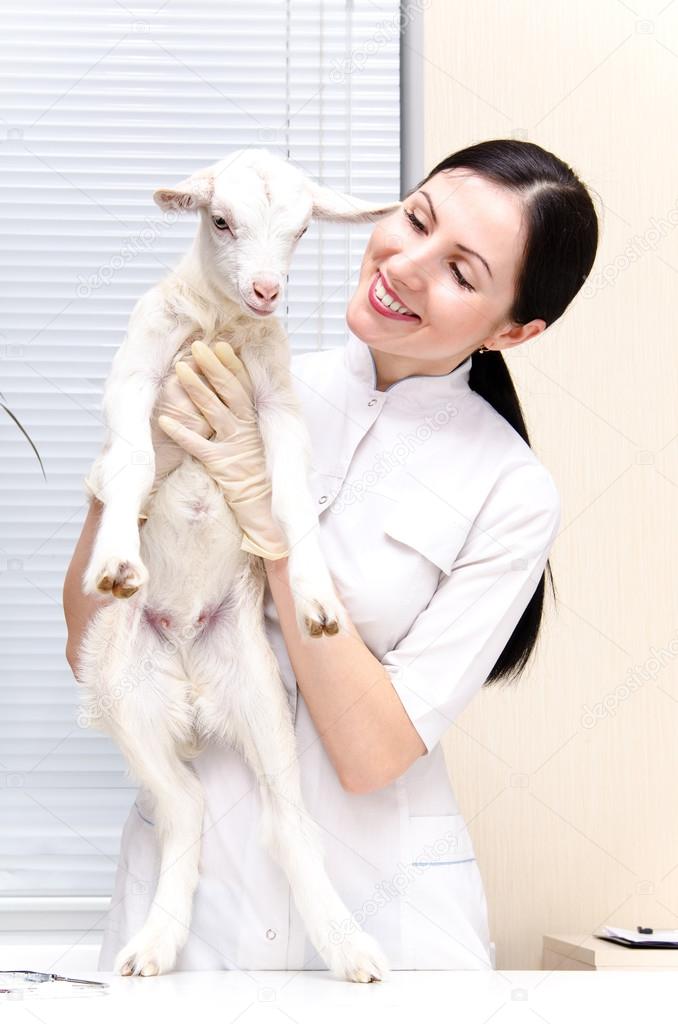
point(560, 247)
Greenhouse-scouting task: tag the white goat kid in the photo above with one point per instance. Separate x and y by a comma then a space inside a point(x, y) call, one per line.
point(187, 659)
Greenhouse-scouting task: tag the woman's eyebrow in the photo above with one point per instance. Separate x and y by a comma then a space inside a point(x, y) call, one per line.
point(463, 248)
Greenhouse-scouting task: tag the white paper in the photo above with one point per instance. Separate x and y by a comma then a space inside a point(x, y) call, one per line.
point(640, 937)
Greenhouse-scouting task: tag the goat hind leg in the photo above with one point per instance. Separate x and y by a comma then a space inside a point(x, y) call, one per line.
point(263, 724)
point(178, 820)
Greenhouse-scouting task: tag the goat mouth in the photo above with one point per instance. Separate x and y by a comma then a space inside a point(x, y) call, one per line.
point(257, 310)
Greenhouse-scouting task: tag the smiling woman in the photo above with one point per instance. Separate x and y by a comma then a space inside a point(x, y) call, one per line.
point(485, 257)
point(461, 264)
point(436, 523)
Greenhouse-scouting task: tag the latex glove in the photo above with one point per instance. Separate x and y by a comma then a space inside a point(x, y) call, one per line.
point(174, 402)
point(235, 456)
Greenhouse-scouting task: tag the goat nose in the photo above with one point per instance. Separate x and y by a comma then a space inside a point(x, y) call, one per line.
point(266, 288)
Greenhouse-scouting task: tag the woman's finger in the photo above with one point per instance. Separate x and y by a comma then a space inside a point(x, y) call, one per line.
point(175, 401)
point(191, 442)
point(216, 412)
point(225, 383)
point(232, 362)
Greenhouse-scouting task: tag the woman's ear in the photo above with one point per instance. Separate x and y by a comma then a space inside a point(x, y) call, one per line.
point(329, 204)
point(194, 191)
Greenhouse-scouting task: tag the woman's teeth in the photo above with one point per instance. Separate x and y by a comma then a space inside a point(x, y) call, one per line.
point(387, 301)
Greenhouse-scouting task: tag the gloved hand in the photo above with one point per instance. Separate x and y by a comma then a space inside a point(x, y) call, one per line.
point(174, 402)
point(235, 456)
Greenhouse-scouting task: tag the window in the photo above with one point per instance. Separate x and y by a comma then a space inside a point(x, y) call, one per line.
point(102, 102)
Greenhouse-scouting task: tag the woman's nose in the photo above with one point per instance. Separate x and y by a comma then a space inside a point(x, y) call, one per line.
point(406, 273)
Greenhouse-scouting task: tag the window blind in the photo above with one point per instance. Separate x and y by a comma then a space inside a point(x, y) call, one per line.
point(100, 103)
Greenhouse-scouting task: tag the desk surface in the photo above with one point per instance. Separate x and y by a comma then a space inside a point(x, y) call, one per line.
point(310, 997)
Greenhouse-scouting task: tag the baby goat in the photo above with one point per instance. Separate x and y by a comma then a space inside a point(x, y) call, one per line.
point(187, 660)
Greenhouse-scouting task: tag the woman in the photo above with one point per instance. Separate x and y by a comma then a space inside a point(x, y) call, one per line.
point(436, 521)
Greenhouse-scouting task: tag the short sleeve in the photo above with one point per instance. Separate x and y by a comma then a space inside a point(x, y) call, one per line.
point(453, 644)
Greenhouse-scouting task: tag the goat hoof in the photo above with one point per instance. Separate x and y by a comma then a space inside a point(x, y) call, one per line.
point(121, 578)
point(130, 967)
point(331, 628)
point(106, 585)
point(360, 959)
point(150, 952)
point(121, 591)
point(312, 627)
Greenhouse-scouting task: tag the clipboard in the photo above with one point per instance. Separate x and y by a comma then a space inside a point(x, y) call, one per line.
point(642, 938)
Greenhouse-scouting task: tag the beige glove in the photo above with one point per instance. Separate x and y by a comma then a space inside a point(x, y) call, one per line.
point(175, 403)
point(235, 456)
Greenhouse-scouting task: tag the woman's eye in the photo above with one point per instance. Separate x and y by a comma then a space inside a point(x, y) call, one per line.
point(414, 220)
point(220, 224)
point(460, 278)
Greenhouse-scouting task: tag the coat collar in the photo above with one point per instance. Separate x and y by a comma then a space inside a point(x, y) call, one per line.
point(417, 392)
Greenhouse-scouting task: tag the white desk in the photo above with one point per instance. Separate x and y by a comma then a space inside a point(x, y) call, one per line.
point(314, 997)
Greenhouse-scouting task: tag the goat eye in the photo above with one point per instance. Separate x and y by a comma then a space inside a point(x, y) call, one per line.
point(302, 232)
point(220, 224)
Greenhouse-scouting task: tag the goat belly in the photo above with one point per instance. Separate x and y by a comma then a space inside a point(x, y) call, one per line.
point(191, 547)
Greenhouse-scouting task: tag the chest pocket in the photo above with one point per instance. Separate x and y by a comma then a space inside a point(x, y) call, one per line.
point(428, 525)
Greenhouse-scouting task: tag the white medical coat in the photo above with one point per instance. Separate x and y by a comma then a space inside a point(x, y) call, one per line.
point(436, 522)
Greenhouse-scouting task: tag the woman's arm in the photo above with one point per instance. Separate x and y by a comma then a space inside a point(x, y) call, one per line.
point(354, 706)
point(78, 607)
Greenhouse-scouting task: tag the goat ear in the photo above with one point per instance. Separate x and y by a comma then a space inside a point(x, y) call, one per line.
point(339, 206)
point(189, 194)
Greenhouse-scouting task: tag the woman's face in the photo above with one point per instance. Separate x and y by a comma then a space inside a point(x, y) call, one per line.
point(450, 254)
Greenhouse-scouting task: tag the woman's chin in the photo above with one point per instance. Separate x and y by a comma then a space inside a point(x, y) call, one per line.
point(363, 324)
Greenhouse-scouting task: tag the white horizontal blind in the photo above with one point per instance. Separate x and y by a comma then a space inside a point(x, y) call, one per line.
point(100, 103)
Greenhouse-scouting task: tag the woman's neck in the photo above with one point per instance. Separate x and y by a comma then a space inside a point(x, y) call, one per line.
point(392, 368)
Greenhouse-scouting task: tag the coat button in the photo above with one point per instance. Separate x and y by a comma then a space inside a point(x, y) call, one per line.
point(372, 401)
point(322, 499)
point(270, 934)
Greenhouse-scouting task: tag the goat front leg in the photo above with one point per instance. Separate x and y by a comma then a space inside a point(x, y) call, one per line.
point(124, 477)
point(318, 608)
point(123, 474)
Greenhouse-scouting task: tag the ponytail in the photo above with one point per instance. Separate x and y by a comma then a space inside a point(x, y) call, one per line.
point(491, 379)
point(560, 247)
